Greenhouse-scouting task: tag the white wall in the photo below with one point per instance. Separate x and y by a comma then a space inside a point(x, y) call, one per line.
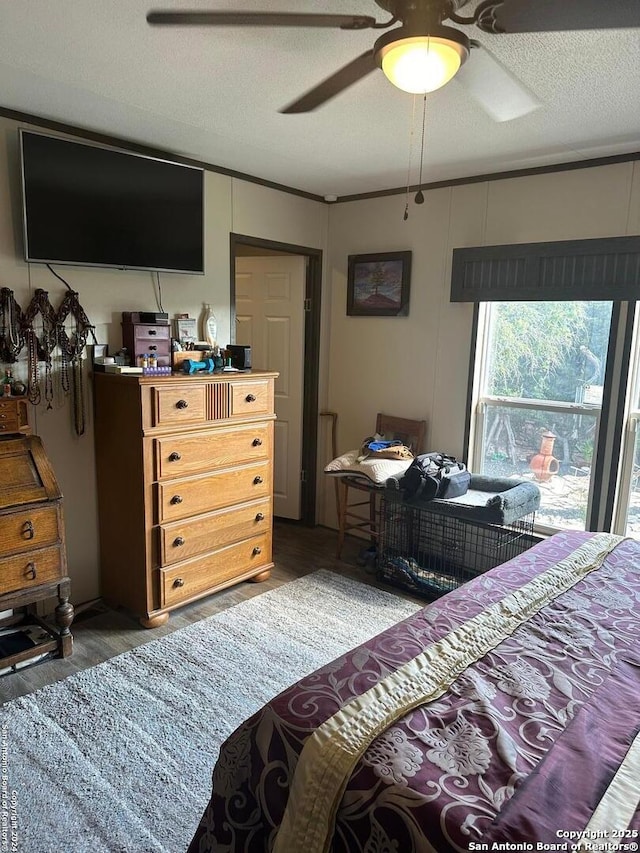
point(417, 366)
point(230, 205)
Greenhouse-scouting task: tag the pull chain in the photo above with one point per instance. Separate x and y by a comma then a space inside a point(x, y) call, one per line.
point(420, 195)
point(413, 119)
point(419, 198)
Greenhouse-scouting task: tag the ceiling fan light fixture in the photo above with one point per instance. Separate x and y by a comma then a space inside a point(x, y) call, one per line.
point(422, 63)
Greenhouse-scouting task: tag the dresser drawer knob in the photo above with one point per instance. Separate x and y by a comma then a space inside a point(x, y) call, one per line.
point(3, 417)
point(257, 442)
point(153, 347)
point(174, 457)
point(31, 571)
point(182, 404)
point(250, 398)
point(257, 550)
point(257, 481)
point(178, 541)
point(178, 582)
point(28, 530)
point(152, 331)
point(259, 516)
point(176, 499)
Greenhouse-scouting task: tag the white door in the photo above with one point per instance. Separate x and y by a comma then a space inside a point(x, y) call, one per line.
point(270, 319)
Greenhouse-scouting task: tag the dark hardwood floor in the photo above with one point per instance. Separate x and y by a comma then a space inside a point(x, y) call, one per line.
point(101, 633)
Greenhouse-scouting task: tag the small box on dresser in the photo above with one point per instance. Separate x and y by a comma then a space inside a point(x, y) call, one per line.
point(14, 415)
point(185, 486)
point(147, 339)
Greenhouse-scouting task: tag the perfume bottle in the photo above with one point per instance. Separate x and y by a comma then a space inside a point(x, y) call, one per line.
point(7, 383)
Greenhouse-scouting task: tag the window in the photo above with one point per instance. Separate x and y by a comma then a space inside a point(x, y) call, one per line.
point(627, 510)
point(550, 399)
point(537, 400)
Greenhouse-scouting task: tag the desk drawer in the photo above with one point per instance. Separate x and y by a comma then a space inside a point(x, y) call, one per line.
point(176, 406)
point(30, 569)
point(251, 398)
point(28, 529)
point(193, 577)
point(178, 456)
point(186, 498)
point(181, 540)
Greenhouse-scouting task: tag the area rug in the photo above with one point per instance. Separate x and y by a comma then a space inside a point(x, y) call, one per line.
point(118, 758)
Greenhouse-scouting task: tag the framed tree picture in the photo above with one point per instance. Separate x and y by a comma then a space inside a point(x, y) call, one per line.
point(378, 284)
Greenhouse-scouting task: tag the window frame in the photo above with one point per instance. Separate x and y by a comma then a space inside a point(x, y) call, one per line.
point(604, 477)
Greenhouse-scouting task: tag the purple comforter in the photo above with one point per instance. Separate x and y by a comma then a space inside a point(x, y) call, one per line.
point(520, 749)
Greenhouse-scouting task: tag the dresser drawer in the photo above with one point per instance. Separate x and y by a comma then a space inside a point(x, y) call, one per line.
point(177, 456)
point(175, 406)
point(185, 498)
point(28, 529)
point(251, 398)
point(149, 332)
point(30, 569)
point(181, 540)
point(193, 577)
point(12, 407)
point(14, 414)
point(161, 349)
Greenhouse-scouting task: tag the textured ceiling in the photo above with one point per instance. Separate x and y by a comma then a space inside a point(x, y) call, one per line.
point(213, 94)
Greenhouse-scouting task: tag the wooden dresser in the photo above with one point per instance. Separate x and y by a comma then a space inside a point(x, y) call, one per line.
point(33, 564)
point(185, 482)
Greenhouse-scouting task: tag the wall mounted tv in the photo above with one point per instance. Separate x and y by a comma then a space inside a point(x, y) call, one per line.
point(88, 205)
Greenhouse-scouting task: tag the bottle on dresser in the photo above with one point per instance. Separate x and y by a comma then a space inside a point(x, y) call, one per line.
point(7, 383)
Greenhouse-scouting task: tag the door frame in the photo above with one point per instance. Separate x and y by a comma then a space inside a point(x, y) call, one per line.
point(312, 297)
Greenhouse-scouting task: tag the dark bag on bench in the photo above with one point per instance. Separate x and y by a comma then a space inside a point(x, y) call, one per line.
point(435, 475)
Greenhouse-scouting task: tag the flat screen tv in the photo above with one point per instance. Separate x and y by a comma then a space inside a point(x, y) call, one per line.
point(89, 205)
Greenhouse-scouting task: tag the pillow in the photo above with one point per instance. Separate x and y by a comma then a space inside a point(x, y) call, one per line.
point(376, 471)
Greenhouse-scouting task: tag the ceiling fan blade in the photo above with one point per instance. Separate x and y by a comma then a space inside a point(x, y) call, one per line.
point(494, 87)
point(260, 19)
point(342, 79)
point(530, 16)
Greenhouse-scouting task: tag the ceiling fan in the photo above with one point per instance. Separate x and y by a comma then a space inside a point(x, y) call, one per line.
point(423, 54)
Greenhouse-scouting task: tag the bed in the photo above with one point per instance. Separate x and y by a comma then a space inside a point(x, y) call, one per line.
point(507, 711)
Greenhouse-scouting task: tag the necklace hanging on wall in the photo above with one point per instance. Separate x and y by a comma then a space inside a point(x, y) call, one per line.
point(40, 347)
point(11, 327)
point(71, 349)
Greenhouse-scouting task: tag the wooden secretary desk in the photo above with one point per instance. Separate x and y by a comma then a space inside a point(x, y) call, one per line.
point(185, 483)
point(33, 563)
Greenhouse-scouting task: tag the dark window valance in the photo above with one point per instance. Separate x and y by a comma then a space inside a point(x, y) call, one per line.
point(569, 270)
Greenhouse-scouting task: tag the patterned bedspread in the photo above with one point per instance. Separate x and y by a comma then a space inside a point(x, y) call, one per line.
point(536, 741)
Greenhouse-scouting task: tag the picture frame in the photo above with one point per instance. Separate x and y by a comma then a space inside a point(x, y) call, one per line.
point(96, 351)
point(378, 284)
point(186, 330)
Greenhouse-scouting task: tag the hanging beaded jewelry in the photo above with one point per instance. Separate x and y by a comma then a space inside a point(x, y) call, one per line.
point(71, 349)
point(11, 327)
point(40, 348)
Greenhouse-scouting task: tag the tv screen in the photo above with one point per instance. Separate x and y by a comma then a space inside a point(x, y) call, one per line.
point(93, 206)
